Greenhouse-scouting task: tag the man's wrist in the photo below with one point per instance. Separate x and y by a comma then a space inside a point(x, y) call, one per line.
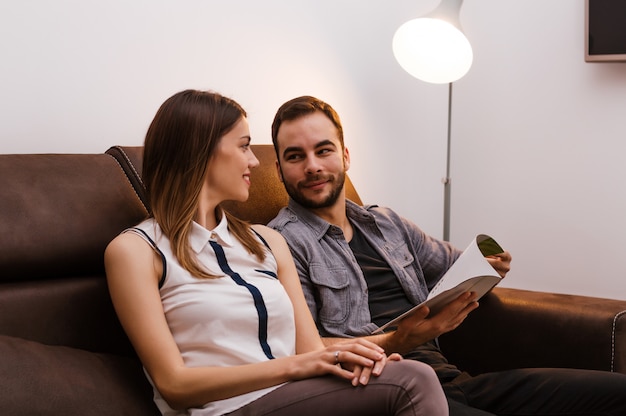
point(389, 341)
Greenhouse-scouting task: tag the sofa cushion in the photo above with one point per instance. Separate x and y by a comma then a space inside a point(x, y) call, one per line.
point(76, 312)
point(42, 380)
point(59, 212)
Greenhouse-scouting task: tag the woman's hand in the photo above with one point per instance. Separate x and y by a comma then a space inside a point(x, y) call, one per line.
point(362, 375)
point(354, 359)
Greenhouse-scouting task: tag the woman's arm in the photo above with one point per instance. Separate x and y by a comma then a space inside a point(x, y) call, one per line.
point(355, 354)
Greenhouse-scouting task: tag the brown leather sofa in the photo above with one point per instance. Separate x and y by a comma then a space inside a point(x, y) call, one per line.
point(63, 352)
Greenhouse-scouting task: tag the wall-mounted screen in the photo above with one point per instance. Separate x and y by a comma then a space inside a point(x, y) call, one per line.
point(605, 30)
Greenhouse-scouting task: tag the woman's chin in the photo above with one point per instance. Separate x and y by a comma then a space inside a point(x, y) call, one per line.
point(239, 198)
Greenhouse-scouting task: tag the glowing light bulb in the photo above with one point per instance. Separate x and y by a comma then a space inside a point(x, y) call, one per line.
point(432, 50)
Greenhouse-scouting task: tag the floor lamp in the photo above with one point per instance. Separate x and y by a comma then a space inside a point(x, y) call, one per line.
point(434, 49)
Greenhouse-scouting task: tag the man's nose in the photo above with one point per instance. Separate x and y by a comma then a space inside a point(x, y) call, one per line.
point(312, 165)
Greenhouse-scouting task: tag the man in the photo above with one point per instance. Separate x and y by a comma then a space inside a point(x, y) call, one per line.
point(362, 266)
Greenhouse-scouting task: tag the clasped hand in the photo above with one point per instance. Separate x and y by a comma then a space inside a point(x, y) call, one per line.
point(356, 360)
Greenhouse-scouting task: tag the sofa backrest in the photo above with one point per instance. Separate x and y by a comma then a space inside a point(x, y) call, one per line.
point(57, 214)
point(267, 193)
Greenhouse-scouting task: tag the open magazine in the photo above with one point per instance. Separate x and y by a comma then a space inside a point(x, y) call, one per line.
point(471, 272)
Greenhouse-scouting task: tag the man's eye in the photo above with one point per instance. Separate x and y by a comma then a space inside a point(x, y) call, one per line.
point(292, 157)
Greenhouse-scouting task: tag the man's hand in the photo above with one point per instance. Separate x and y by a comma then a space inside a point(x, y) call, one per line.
point(419, 328)
point(501, 262)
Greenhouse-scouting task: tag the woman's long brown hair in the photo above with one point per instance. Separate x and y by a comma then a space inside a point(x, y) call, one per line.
point(177, 150)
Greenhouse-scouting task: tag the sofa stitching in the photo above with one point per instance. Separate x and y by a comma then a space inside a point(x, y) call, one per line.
point(617, 316)
point(130, 163)
point(129, 182)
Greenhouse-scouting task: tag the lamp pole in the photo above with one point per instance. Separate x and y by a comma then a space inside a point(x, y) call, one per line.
point(434, 49)
point(447, 180)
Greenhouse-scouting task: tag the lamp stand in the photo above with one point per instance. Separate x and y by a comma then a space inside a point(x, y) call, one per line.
point(447, 180)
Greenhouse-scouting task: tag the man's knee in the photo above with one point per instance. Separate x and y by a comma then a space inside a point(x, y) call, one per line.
point(412, 374)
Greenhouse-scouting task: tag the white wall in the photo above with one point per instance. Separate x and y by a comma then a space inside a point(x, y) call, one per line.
point(536, 149)
point(539, 149)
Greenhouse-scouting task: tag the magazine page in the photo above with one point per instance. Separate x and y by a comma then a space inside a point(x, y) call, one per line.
point(471, 272)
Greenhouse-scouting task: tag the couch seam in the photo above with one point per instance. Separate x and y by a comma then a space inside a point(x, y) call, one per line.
point(615, 318)
point(129, 181)
point(130, 163)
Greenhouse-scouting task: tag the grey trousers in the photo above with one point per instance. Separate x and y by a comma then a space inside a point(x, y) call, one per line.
point(405, 388)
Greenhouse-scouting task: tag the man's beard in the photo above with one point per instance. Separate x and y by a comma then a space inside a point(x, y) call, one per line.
point(337, 182)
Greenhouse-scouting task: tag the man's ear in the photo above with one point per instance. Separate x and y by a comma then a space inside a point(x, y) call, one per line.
point(280, 173)
point(346, 159)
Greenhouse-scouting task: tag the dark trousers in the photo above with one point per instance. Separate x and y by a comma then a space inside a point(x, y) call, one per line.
point(544, 391)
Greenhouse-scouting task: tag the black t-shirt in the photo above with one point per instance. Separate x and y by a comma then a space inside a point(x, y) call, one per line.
point(387, 300)
point(386, 297)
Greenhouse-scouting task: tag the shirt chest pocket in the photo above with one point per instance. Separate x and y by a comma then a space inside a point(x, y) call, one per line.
point(402, 255)
point(333, 295)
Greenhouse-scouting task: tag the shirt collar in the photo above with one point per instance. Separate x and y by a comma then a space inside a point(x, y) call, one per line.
point(200, 236)
point(321, 226)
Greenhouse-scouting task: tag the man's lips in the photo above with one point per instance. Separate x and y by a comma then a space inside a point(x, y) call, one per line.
point(314, 185)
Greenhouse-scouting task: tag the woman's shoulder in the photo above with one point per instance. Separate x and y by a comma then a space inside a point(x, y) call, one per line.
point(132, 254)
point(266, 232)
point(133, 238)
point(275, 240)
point(127, 242)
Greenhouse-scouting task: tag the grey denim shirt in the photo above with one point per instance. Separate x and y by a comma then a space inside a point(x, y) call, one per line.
point(333, 283)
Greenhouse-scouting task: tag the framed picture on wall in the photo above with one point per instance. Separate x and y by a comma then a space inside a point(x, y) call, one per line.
point(605, 30)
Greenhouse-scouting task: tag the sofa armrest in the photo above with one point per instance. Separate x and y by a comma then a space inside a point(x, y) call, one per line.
point(515, 328)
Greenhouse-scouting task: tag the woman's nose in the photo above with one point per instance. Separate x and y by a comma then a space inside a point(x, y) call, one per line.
point(253, 162)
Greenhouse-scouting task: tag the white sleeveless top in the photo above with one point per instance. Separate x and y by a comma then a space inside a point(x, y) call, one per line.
point(242, 317)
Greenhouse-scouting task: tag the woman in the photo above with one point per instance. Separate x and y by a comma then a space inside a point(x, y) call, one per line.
point(214, 307)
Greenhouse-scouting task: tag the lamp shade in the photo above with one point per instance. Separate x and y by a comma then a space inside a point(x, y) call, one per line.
point(432, 50)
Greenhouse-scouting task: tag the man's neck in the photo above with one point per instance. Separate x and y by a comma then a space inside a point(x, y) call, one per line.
point(336, 215)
